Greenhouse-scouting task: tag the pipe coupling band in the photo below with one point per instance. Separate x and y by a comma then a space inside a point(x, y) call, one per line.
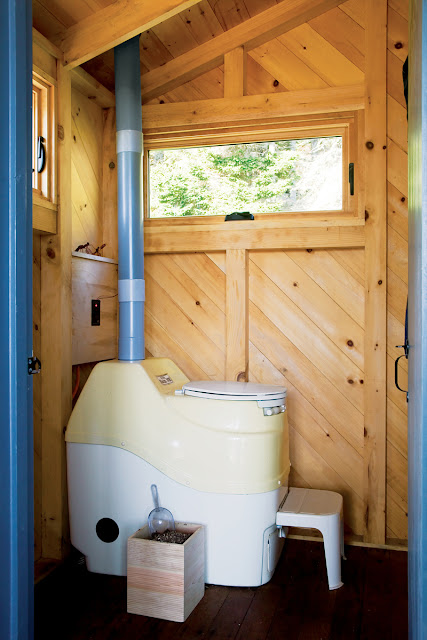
point(131, 290)
point(129, 140)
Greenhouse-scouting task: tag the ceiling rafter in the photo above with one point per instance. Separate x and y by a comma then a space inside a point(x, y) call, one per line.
point(267, 25)
point(113, 25)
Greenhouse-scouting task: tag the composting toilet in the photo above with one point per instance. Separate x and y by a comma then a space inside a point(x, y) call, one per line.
point(217, 451)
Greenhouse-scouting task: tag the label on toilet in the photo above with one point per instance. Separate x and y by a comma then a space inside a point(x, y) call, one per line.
point(165, 379)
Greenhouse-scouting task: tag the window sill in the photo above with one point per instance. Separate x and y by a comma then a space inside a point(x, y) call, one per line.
point(45, 215)
point(323, 230)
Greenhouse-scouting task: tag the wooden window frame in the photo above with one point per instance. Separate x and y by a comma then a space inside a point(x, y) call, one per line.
point(44, 118)
point(349, 125)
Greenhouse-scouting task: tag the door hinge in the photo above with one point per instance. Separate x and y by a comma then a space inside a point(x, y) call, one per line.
point(34, 365)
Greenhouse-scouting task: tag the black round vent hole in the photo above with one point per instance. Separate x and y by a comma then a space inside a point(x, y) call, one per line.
point(107, 530)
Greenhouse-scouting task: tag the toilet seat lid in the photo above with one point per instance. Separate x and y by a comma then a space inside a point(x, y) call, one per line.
point(216, 390)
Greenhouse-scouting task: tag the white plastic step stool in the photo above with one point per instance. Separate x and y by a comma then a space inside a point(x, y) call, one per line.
point(322, 510)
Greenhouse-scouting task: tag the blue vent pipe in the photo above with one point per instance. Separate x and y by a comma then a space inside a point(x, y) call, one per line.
point(130, 213)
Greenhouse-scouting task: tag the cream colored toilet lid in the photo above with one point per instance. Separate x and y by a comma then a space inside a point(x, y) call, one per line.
point(222, 390)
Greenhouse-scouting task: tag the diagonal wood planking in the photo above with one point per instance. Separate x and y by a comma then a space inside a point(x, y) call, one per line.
point(397, 262)
point(312, 390)
point(186, 313)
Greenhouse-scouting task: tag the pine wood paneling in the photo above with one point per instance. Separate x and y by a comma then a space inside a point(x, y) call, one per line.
point(375, 158)
point(56, 343)
point(397, 262)
point(237, 315)
point(322, 57)
point(86, 179)
point(94, 279)
point(292, 72)
point(187, 314)
point(343, 33)
point(37, 404)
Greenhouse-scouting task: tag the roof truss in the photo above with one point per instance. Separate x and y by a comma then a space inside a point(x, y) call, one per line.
point(113, 25)
point(267, 25)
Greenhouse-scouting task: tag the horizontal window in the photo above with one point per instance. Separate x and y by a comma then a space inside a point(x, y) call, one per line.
point(289, 175)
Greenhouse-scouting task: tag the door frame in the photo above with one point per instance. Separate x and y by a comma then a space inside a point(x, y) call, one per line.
point(16, 425)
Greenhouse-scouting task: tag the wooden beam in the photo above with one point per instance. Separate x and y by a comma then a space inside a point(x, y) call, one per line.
point(375, 272)
point(44, 219)
point(113, 25)
point(176, 238)
point(46, 45)
point(235, 73)
point(249, 34)
point(269, 105)
point(56, 341)
point(92, 89)
point(237, 315)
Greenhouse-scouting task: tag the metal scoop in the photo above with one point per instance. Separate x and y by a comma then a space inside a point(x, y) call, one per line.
point(159, 519)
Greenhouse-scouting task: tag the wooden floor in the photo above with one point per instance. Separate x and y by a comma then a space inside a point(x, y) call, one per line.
point(295, 605)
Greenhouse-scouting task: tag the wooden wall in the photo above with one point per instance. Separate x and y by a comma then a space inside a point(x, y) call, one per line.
point(37, 401)
point(86, 167)
point(303, 309)
point(306, 307)
point(52, 325)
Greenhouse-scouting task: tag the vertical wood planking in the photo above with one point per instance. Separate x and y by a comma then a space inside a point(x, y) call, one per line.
point(375, 272)
point(37, 415)
point(109, 181)
point(235, 73)
point(237, 315)
point(56, 340)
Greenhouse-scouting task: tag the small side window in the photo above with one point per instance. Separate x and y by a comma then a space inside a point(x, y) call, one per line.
point(43, 137)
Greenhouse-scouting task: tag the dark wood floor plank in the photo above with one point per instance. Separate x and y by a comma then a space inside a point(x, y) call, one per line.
point(200, 621)
point(260, 614)
point(399, 606)
point(298, 570)
point(72, 604)
point(346, 617)
point(226, 624)
point(319, 607)
point(376, 613)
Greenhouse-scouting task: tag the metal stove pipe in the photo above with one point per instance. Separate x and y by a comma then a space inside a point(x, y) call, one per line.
point(130, 211)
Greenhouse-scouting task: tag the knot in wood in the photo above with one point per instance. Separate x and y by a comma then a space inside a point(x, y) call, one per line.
point(369, 144)
point(112, 165)
point(350, 343)
point(50, 253)
point(398, 45)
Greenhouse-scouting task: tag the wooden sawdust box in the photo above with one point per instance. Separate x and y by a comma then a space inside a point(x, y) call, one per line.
point(166, 580)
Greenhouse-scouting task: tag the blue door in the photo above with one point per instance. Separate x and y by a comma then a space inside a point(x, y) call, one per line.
point(16, 448)
point(417, 316)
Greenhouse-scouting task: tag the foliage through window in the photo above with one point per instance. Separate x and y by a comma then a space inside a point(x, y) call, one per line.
point(260, 177)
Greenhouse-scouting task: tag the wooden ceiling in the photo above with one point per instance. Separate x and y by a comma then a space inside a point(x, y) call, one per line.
point(173, 45)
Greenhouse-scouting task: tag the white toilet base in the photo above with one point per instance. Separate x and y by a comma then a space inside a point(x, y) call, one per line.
point(242, 541)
